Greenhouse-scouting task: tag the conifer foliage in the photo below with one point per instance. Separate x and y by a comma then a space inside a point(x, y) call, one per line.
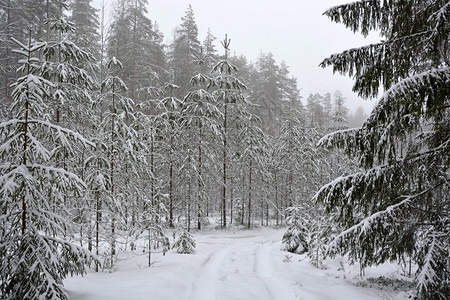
point(398, 207)
point(185, 243)
point(35, 251)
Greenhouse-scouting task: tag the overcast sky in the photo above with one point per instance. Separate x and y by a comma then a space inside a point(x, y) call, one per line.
point(295, 31)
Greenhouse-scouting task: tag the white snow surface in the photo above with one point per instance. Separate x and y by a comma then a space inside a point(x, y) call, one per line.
point(238, 265)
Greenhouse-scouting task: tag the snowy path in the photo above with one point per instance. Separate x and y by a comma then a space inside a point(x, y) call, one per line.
point(241, 265)
point(241, 270)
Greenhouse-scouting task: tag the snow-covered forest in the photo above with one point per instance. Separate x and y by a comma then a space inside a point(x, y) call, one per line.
point(118, 146)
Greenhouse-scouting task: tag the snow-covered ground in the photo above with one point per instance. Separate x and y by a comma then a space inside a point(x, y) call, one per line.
point(245, 264)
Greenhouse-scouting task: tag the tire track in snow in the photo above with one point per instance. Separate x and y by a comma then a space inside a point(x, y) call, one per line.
point(262, 264)
point(262, 267)
point(264, 270)
point(204, 284)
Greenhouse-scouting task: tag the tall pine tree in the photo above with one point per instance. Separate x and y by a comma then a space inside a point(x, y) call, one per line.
point(397, 207)
point(186, 50)
point(36, 252)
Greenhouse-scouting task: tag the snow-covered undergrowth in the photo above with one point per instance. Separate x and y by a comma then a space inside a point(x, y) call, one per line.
point(245, 264)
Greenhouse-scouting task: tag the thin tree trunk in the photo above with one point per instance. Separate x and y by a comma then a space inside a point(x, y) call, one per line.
point(113, 221)
point(249, 195)
point(149, 247)
point(25, 142)
point(188, 216)
point(98, 217)
point(171, 225)
point(276, 200)
point(231, 201)
point(242, 193)
point(133, 57)
point(199, 179)
point(224, 188)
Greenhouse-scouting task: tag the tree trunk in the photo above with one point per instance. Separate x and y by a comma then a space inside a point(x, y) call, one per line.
point(113, 221)
point(224, 188)
point(98, 218)
point(199, 179)
point(249, 195)
point(149, 247)
point(276, 200)
point(231, 202)
point(25, 142)
point(188, 217)
point(243, 191)
point(171, 225)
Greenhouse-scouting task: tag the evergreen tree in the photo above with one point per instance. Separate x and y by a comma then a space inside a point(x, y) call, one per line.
point(269, 93)
point(70, 68)
point(35, 251)
point(135, 43)
point(186, 50)
point(170, 117)
point(209, 51)
point(8, 21)
point(201, 117)
point(340, 112)
point(295, 239)
point(14, 23)
point(85, 19)
point(315, 111)
point(254, 144)
point(229, 95)
point(397, 207)
point(40, 14)
point(328, 109)
point(185, 243)
point(118, 137)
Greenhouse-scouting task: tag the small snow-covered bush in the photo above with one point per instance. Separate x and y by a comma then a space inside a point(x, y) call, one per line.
point(294, 241)
point(185, 243)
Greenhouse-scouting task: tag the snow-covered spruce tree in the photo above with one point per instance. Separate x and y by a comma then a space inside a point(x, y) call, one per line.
point(254, 144)
point(134, 41)
point(35, 251)
point(154, 121)
point(309, 231)
point(185, 244)
point(398, 207)
point(116, 132)
point(183, 53)
point(70, 68)
point(147, 226)
point(209, 51)
point(339, 113)
point(268, 92)
point(201, 118)
point(170, 121)
point(229, 93)
point(291, 149)
point(85, 19)
point(295, 239)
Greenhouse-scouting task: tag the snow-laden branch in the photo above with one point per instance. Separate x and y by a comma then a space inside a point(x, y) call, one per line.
point(432, 252)
point(365, 224)
point(328, 141)
point(59, 172)
point(61, 131)
point(432, 80)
